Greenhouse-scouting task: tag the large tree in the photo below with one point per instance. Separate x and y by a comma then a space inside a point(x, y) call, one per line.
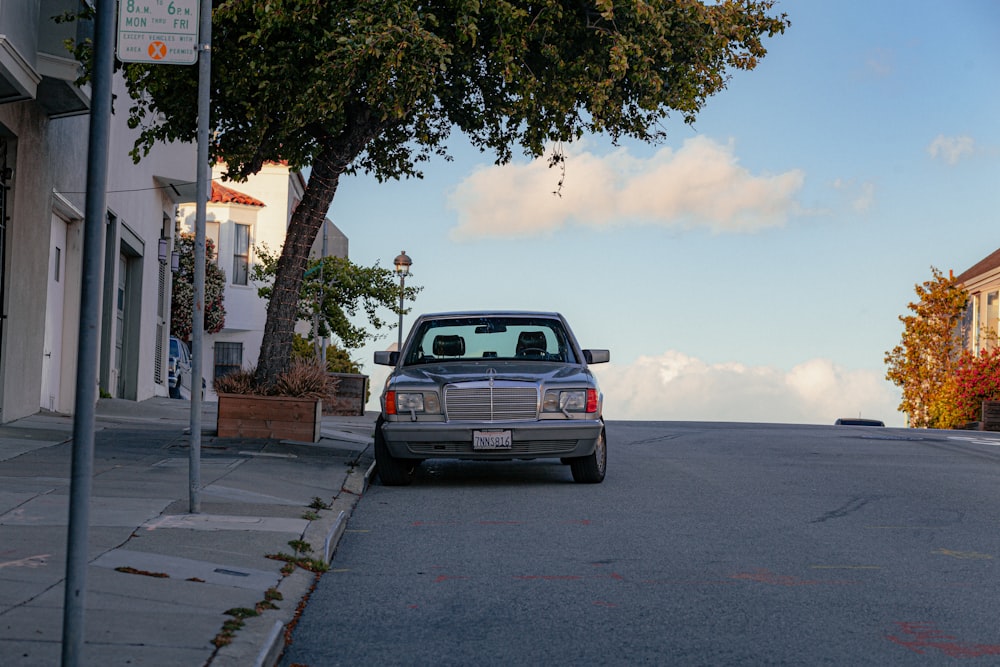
point(378, 85)
point(930, 349)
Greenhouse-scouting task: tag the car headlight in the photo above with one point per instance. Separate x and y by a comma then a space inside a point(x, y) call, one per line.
point(403, 402)
point(409, 402)
point(576, 400)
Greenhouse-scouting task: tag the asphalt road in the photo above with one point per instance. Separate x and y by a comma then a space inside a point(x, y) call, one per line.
point(707, 544)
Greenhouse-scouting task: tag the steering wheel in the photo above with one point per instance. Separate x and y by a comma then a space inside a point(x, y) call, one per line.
point(533, 351)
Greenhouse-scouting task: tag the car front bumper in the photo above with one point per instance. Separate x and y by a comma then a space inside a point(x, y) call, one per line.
point(529, 440)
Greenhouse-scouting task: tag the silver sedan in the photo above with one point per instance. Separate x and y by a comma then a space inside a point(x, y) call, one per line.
point(494, 385)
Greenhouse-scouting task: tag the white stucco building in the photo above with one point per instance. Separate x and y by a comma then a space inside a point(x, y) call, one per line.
point(240, 217)
point(44, 126)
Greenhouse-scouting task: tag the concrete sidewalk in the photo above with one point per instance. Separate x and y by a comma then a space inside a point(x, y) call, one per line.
point(165, 587)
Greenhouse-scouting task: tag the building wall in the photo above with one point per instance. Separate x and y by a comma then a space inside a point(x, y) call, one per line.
point(336, 241)
point(145, 206)
point(27, 248)
point(982, 321)
point(68, 201)
point(49, 160)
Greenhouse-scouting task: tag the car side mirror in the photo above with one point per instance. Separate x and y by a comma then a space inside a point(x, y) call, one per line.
point(383, 358)
point(597, 356)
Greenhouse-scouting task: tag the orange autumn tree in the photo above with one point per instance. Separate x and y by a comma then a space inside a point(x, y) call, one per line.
point(930, 349)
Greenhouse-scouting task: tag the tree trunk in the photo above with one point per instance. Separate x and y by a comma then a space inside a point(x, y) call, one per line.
point(279, 329)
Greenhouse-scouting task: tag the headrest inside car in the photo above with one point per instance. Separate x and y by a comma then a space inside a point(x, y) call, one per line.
point(449, 346)
point(533, 341)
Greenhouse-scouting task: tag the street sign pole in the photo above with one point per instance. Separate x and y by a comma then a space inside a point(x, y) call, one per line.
point(166, 32)
point(150, 31)
point(95, 215)
point(198, 311)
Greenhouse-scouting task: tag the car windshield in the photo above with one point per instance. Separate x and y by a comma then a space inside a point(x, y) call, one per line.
point(520, 338)
point(175, 346)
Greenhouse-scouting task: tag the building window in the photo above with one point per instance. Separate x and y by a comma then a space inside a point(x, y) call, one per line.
point(992, 320)
point(241, 254)
point(972, 316)
point(228, 358)
point(212, 234)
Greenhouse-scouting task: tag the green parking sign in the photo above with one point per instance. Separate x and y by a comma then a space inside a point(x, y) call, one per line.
point(158, 31)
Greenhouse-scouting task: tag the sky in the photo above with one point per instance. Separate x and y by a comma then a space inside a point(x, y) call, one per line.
point(753, 267)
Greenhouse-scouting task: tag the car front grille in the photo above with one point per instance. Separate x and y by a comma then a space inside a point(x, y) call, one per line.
point(499, 402)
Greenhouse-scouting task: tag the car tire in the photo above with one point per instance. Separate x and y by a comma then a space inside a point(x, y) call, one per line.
point(392, 471)
point(591, 469)
point(175, 392)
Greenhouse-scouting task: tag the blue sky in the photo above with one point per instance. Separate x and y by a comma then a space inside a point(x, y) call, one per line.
point(754, 266)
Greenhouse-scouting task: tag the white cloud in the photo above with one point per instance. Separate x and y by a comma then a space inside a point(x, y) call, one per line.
point(702, 184)
point(674, 386)
point(862, 195)
point(951, 149)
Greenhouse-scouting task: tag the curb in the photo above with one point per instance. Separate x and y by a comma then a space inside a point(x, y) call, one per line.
point(264, 636)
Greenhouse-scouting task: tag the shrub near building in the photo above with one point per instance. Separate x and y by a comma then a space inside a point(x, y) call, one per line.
point(974, 380)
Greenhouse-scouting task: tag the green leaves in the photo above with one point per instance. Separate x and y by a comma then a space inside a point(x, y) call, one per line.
point(291, 76)
point(338, 295)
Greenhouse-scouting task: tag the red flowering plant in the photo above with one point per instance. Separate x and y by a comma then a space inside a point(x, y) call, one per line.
point(182, 295)
point(974, 379)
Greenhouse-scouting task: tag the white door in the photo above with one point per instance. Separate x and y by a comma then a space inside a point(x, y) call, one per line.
point(54, 301)
point(119, 379)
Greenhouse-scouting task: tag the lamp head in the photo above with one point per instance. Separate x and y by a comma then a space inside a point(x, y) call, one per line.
point(402, 263)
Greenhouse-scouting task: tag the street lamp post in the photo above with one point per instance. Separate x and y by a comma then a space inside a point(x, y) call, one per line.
point(402, 263)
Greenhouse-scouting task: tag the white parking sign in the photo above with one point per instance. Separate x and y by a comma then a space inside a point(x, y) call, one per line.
point(158, 31)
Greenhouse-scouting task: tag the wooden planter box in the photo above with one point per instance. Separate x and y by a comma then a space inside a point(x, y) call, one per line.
point(352, 392)
point(990, 417)
point(277, 417)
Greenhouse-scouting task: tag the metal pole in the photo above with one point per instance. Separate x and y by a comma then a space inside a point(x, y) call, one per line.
point(95, 218)
point(403, 264)
point(198, 309)
point(402, 283)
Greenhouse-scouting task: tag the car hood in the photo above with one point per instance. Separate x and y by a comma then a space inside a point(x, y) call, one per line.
point(478, 371)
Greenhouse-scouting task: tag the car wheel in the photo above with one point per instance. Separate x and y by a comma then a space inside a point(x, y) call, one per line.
point(591, 469)
point(392, 471)
point(175, 392)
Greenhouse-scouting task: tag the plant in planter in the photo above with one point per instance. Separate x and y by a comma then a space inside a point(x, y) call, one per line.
point(291, 408)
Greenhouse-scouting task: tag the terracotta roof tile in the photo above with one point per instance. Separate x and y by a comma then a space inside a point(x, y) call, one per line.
point(223, 195)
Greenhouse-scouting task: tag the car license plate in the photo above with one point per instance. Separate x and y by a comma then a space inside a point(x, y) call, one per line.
point(491, 440)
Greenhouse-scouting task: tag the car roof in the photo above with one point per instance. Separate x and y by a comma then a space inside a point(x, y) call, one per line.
point(859, 421)
point(490, 313)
